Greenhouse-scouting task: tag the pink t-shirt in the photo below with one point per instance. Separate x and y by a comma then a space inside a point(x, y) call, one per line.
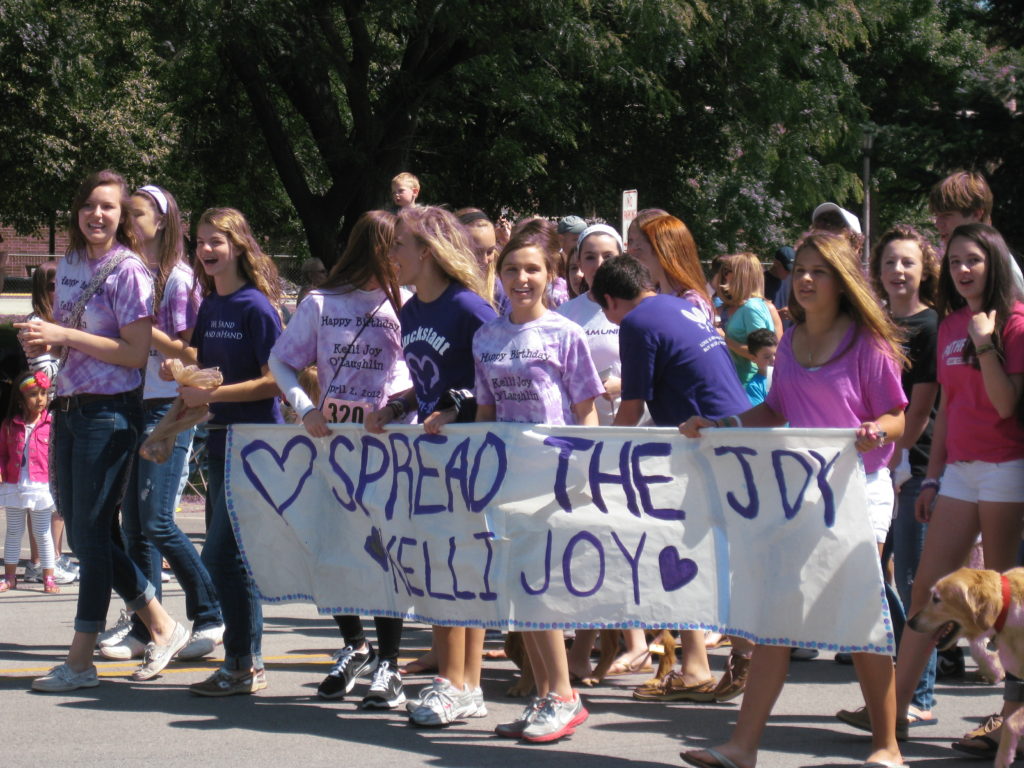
point(354, 338)
point(859, 383)
point(533, 373)
point(973, 428)
point(125, 297)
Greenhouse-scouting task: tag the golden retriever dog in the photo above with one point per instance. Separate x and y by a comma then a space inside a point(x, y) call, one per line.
point(982, 606)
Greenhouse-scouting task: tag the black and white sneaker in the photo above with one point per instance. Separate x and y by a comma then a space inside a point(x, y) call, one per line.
point(348, 665)
point(386, 691)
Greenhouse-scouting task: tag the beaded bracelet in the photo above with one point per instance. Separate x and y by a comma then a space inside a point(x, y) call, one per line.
point(931, 482)
point(984, 348)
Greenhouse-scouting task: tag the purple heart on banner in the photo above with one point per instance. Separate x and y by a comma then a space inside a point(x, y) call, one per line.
point(676, 571)
point(285, 481)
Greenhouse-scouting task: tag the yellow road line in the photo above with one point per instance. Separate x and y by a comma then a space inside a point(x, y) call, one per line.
point(104, 669)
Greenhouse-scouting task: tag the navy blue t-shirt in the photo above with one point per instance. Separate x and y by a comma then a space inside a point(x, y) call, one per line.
point(437, 337)
point(236, 333)
point(678, 363)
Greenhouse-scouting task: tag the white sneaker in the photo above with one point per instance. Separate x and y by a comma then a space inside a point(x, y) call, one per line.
point(62, 678)
point(558, 717)
point(69, 565)
point(159, 656)
point(479, 706)
point(202, 643)
point(33, 574)
point(63, 577)
point(118, 632)
point(129, 648)
point(442, 704)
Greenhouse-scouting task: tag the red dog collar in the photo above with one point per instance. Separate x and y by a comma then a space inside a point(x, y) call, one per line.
point(1005, 610)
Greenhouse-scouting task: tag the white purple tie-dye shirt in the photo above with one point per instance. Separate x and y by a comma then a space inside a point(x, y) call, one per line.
point(535, 372)
point(125, 297)
point(176, 313)
point(322, 331)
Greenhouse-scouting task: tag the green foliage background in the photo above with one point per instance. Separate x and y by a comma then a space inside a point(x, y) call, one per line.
point(739, 116)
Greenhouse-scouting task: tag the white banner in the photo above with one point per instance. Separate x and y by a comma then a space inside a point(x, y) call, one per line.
point(759, 533)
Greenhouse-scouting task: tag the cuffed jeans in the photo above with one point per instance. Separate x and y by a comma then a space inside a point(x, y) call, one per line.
point(147, 517)
point(93, 448)
point(243, 613)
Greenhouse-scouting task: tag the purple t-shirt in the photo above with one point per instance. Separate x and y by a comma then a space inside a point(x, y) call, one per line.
point(676, 361)
point(859, 383)
point(236, 333)
point(437, 337)
point(177, 312)
point(354, 339)
point(534, 372)
point(125, 297)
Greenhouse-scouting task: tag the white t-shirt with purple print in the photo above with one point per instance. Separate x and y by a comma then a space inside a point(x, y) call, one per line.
point(125, 297)
point(535, 372)
point(603, 340)
point(354, 338)
point(176, 313)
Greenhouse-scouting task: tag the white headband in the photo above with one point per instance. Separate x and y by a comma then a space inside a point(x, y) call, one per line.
point(157, 194)
point(600, 229)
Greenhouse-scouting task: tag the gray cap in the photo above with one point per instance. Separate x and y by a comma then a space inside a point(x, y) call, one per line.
point(573, 224)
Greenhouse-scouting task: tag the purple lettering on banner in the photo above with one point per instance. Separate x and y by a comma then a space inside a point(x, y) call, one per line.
point(424, 472)
point(599, 478)
point(634, 562)
point(676, 571)
point(486, 537)
point(827, 496)
point(350, 505)
point(567, 564)
point(457, 468)
point(374, 546)
point(500, 454)
point(397, 572)
point(427, 576)
point(398, 467)
point(750, 509)
point(547, 573)
point(260, 445)
point(565, 446)
point(408, 570)
point(366, 477)
point(790, 510)
point(459, 595)
point(643, 481)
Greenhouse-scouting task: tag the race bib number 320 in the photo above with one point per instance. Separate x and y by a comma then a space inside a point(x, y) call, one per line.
point(345, 411)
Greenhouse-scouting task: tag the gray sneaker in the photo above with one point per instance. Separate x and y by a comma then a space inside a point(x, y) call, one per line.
point(33, 574)
point(442, 704)
point(63, 678)
point(202, 643)
point(159, 656)
point(514, 730)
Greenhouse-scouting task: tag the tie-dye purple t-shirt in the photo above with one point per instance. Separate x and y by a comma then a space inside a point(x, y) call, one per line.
point(535, 372)
point(125, 297)
point(177, 313)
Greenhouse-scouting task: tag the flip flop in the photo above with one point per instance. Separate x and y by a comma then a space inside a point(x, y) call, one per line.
point(640, 663)
point(914, 720)
point(721, 761)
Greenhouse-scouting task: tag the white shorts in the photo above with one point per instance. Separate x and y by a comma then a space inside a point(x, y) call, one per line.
point(975, 481)
point(881, 503)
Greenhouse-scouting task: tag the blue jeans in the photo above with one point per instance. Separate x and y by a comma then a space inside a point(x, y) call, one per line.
point(93, 448)
point(147, 517)
point(243, 613)
point(908, 541)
